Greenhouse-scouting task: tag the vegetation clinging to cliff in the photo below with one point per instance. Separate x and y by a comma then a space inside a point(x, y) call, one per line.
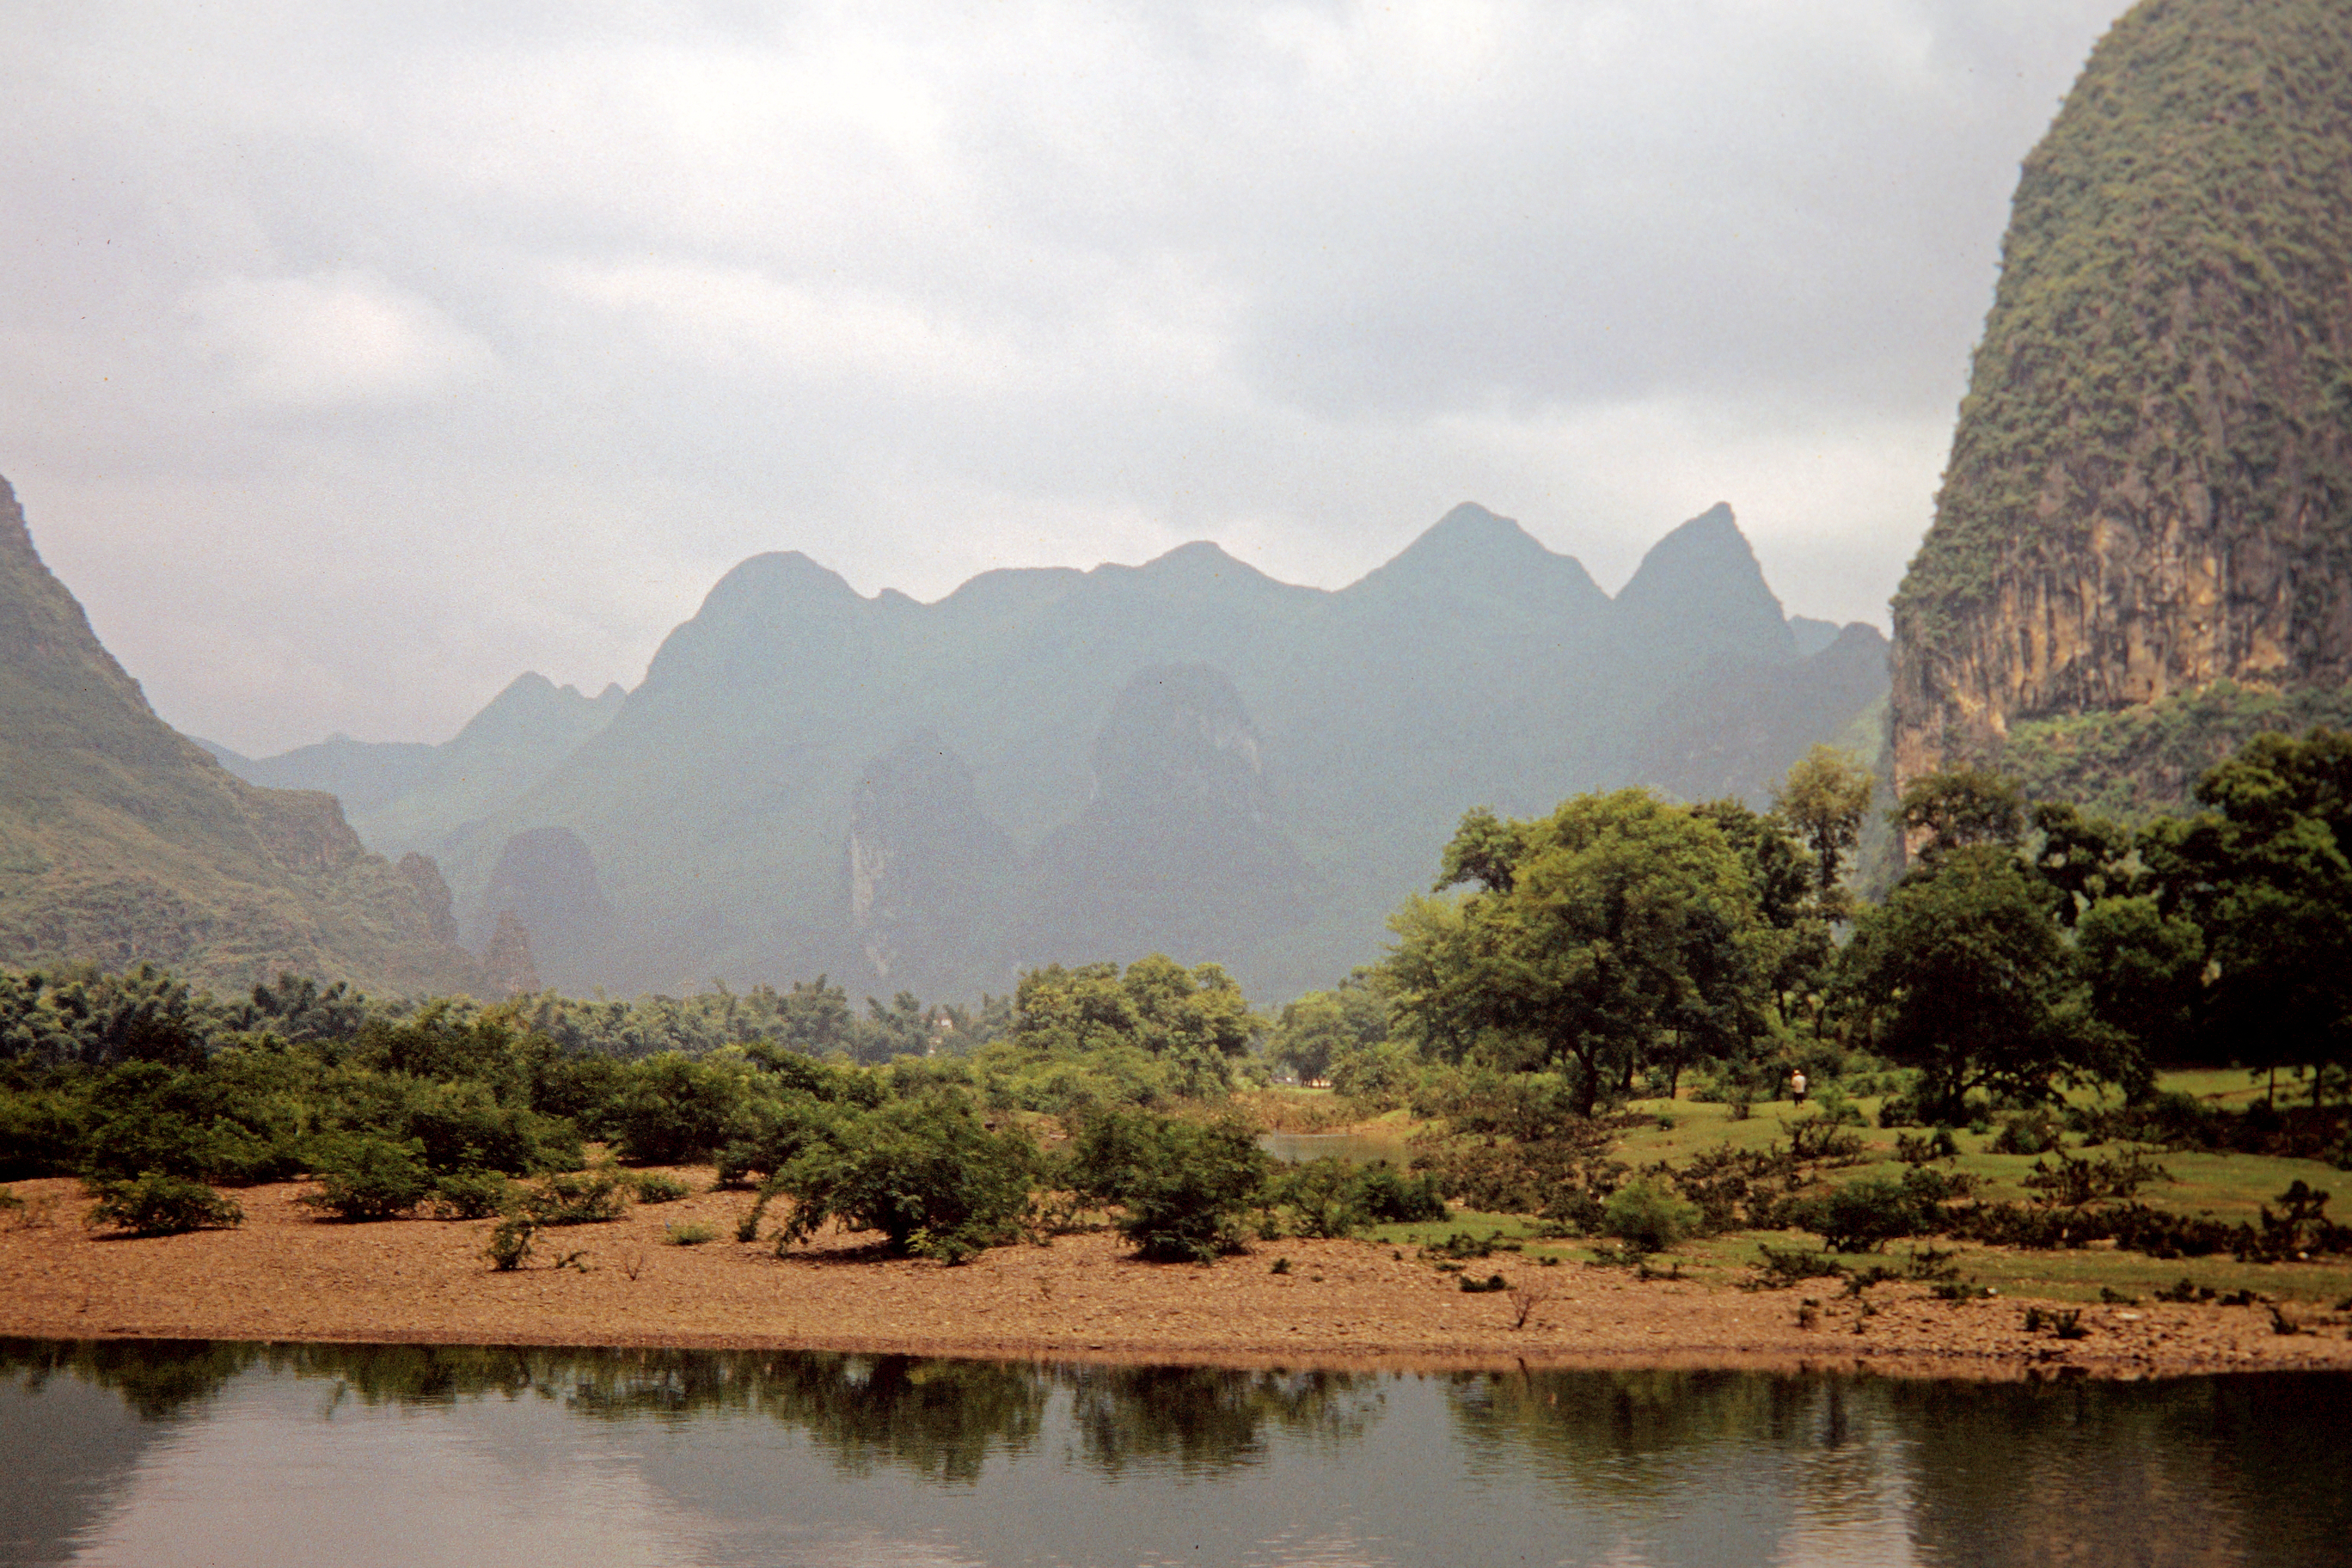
point(2171, 287)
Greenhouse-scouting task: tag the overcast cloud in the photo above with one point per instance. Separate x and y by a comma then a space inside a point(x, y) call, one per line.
point(361, 358)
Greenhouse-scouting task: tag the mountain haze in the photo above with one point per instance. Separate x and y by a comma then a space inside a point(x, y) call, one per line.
point(1185, 755)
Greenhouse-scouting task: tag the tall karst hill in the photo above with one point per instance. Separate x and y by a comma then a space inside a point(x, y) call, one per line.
point(1187, 755)
point(121, 841)
point(2150, 486)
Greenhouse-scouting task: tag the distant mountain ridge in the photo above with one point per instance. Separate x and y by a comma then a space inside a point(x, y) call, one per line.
point(404, 796)
point(1055, 764)
point(122, 842)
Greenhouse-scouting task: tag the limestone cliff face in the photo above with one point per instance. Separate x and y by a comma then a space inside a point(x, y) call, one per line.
point(2150, 485)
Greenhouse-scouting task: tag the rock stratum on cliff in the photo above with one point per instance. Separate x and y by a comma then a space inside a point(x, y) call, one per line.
point(2151, 485)
point(121, 841)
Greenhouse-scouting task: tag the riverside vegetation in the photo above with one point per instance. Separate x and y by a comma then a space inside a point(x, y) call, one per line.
point(2035, 1052)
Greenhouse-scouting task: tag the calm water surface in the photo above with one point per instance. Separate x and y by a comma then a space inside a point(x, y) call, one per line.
point(232, 1454)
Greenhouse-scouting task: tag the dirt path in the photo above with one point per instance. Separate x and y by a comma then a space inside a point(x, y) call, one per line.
point(285, 1275)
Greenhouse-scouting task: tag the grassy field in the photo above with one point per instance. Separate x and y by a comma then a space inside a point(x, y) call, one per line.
point(2230, 1187)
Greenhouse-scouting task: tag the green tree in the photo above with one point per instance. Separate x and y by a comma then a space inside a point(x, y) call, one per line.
point(1624, 925)
point(1192, 1024)
point(1961, 807)
point(1183, 1186)
point(2266, 873)
point(1823, 801)
point(1324, 1025)
point(1963, 974)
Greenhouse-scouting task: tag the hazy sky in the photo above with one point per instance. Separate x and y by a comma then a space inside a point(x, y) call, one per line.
point(360, 358)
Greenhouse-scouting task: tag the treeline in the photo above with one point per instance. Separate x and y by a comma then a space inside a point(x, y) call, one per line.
point(157, 1098)
point(1623, 943)
point(93, 1018)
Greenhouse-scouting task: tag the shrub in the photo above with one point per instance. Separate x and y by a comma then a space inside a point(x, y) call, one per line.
point(2073, 1181)
point(653, 1187)
point(671, 1107)
point(364, 1177)
point(1183, 1186)
point(473, 1194)
point(580, 1198)
point(157, 1205)
point(1920, 1149)
point(1387, 1196)
point(41, 1135)
point(1818, 1138)
point(690, 1235)
point(511, 1244)
point(462, 1127)
point(912, 1166)
point(1325, 1195)
point(1863, 1216)
point(1491, 1284)
point(1647, 1218)
point(1780, 1268)
point(2034, 1131)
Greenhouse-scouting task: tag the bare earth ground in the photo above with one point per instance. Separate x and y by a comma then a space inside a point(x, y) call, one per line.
point(287, 1275)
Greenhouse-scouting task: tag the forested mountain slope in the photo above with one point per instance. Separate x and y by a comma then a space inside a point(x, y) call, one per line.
point(121, 841)
point(2150, 485)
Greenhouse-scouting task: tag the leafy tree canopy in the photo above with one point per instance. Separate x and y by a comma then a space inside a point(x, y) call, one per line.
point(1623, 924)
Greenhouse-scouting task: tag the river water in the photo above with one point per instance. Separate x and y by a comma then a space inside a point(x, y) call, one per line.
point(204, 1453)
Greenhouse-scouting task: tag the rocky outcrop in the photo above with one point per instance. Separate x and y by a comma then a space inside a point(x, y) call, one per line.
point(424, 875)
point(546, 879)
point(928, 874)
point(2150, 485)
point(508, 969)
point(1178, 853)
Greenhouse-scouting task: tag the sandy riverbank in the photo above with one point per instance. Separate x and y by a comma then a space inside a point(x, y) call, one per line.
point(285, 1275)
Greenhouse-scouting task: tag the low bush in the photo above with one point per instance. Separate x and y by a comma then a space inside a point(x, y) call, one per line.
point(1781, 1266)
point(1920, 1148)
point(2035, 1132)
point(689, 1235)
point(920, 1170)
point(1648, 1218)
point(157, 1205)
point(1324, 1197)
point(1863, 1216)
point(364, 1177)
point(473, 1194)
point(2075, 1181)
point(653, 1187)
point(582, 1197)
point(511, 1244)
point(1491, 1284)
point(1388, 1196)
point(1182, 1187)
point(1817, 1139)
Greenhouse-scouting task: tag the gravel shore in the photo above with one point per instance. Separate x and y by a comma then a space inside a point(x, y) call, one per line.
point(286, 1275)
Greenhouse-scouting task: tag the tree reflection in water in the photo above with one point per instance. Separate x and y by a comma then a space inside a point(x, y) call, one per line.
point(2242, 1470)
point(938, 1419)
